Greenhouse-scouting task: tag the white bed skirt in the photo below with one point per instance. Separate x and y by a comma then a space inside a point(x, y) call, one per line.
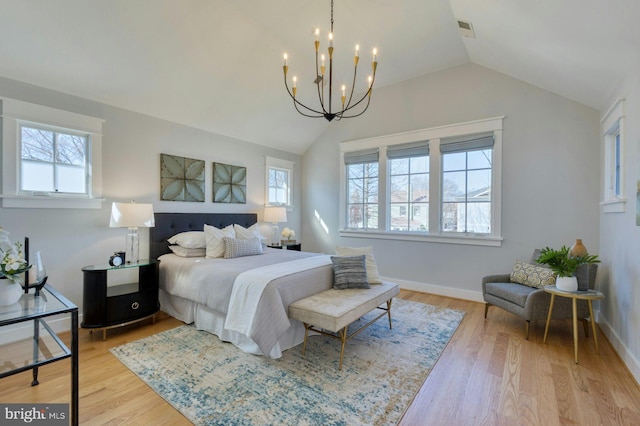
point(207, 319)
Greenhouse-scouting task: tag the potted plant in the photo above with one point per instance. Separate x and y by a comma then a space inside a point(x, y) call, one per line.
point(564, 265)
point(12, 266)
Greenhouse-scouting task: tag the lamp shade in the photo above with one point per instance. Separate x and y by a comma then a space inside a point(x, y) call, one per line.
point(132, 215)
point(275, 214)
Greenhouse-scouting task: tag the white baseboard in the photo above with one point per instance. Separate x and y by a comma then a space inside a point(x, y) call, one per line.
point(625, 354)
point(457, 293)
point(22, 330)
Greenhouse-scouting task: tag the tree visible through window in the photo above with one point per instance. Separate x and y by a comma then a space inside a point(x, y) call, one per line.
point(53, 161)
point(278, 186)
point(362, 198)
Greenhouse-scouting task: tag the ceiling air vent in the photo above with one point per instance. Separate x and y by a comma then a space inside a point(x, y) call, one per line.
point(466, 29)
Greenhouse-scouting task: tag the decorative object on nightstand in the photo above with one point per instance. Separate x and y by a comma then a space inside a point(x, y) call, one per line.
point(288, 235)
point(133, 216)
point(287, 246)
point(107, 306)
point(275, 215)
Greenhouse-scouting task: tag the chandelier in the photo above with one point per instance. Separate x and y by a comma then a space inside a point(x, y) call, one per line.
point(348, 104)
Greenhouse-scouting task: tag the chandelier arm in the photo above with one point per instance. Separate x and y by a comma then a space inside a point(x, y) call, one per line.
point(353, 86)
point(297, 102)
point(358, 114)
point(320, 93)
point(367, 94)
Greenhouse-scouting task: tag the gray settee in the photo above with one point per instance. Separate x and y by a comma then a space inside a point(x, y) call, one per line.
point(532, 303)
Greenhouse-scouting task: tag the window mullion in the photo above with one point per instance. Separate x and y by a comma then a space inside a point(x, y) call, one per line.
point(384, 189)
point(435, 186)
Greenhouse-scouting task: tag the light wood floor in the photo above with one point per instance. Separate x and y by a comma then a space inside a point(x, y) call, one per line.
point(488, 375)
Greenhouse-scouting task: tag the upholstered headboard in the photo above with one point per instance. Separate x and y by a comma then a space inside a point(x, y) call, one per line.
point(169, 224)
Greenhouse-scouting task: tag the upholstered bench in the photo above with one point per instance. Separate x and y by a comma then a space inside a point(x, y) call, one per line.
point(333, 310)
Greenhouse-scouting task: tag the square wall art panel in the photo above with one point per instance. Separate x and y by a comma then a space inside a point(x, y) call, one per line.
point(229, 183)
point(181, 179)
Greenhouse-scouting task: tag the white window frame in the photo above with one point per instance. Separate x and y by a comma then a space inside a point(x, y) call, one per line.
point(433, 135)
point(273, 163)
point(612, 124)
point(16, 113)
point(54, 162)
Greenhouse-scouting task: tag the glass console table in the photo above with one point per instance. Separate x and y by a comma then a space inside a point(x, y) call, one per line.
point(42, 345)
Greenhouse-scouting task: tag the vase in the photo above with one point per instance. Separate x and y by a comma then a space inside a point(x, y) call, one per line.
point(567, 283)
point(10, 291)
point(578, 249)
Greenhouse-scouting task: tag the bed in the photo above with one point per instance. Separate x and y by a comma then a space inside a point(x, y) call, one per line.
point(242, 300)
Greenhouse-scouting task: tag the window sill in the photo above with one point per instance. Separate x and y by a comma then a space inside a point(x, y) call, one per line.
point(50, 202)
point(470, 239)
point(614, 206)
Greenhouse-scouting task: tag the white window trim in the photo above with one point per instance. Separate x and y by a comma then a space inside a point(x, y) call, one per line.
point(434, 135)
point(611, 124)
point(278, 163)
point(16, 112)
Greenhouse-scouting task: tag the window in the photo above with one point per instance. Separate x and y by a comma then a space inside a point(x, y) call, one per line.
point(279, 178)
point(362, 189)
point(53, 161)
point(613, 136)
point(440, 185)
point(50, 158)
point(466, 184)
point(409, 187)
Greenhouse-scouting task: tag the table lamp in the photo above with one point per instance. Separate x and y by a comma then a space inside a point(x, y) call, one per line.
point(133, 216)
point(275, 215)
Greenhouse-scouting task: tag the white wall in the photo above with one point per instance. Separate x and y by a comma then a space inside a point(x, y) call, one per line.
point(550, 175)
point(132, 144)
point(620, 244)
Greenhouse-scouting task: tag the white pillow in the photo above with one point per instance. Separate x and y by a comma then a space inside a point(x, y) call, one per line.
point(253, 231)
point(189, 239)
point(214, 238)
point(188, 252)
point(372, 269)
point(237, 248)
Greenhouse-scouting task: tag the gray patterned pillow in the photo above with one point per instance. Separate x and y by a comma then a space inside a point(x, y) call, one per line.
point(237, 248)
point(532, 275)
point(349, 272)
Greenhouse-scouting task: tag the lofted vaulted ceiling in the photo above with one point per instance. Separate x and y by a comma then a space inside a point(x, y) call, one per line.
point(217, 64)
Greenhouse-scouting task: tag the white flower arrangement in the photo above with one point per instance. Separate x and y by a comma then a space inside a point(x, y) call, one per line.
point(288, 233)
point(12, 262)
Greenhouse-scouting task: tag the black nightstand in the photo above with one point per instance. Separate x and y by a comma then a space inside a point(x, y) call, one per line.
point(107, 306)
point(297, 247)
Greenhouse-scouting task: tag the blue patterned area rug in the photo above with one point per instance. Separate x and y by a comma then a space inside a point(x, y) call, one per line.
point(215, 383)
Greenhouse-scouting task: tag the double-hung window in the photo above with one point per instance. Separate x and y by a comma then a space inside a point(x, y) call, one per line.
point(279, 178)
point(409, 187)
point(53, 160)
point(437, 185)
point(466, 183)
point(362, 189)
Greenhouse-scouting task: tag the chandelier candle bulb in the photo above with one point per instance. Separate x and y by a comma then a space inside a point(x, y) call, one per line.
point(330, 39)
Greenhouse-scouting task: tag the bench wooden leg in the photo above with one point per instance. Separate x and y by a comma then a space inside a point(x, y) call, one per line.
point(306, 335)
point(389, 312)
point(343, 338)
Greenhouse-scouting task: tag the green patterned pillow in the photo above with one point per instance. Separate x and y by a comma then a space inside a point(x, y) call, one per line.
point(532, 275)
